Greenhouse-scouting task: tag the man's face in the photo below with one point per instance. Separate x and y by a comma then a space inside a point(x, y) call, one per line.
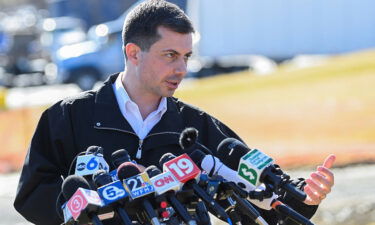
point(161, 69)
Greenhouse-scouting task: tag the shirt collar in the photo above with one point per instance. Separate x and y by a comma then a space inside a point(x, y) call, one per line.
point(121, 94)
point(109, 117)
point(162, 105)
point(124, 99)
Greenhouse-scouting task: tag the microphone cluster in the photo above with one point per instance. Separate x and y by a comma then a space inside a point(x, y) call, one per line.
point(182, 191)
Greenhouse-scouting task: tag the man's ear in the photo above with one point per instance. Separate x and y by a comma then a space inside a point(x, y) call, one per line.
point(132, 51)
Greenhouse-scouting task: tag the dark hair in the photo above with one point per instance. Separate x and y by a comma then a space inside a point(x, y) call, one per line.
point(141, 24)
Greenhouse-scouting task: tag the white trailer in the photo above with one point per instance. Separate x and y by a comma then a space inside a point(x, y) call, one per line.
point(281, 29)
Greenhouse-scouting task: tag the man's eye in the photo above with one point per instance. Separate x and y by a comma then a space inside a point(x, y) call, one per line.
point(170, 55)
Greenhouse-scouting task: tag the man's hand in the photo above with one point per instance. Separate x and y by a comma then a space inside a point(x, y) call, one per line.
point(320, 182)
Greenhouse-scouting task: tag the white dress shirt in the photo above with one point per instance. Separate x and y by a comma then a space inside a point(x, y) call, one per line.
point(130, 110)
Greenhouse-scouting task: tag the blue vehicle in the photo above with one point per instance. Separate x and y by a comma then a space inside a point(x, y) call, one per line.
point(90, 61)
point(60, 31)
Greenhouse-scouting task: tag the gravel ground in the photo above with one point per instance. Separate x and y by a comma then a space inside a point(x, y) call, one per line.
point(351, 202)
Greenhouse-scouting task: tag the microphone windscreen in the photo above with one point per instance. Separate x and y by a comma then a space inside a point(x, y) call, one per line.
point(197, 156)
point(126, 170)
point(71, 184)
point(152, 171)
point(119, 157)
point(230, 151)
point(101, 178)
point(165, 158)
point(94, 150)
point(188, 137)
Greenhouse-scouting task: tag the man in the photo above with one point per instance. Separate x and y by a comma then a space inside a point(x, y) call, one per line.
point(134, 110)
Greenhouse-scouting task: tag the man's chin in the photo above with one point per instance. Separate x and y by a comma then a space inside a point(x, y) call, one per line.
point(169, 93)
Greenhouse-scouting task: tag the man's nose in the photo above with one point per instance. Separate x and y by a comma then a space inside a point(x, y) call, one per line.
point(181, 67)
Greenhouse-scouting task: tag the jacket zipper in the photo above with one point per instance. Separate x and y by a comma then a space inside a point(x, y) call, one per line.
point(139, 151)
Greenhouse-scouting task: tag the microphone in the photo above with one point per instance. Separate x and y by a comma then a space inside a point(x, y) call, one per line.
point(126, 170)
point(91, 162)
point(101, 178)
point(162, 182)
point(209, 163)
point(67, 215)
point(139, 187)
point(247, 209)
point(206, 163)
point(290, 213)
point(93, 149)
point(83, 203)
point(62, 211)
point(256, 167)
point(162, 186)
point(182, 167)
point(186, 172)
point(230, 151)
point(71, 184)
point(112, 193)
point(188, 137)
point(119, 157)
point(166, 183)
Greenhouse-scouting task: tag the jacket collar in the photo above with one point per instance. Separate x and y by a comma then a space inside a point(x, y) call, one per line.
point(107, 114)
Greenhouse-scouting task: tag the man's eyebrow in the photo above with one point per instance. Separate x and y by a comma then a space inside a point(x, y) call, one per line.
point(177, 53)
point(189, 53)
